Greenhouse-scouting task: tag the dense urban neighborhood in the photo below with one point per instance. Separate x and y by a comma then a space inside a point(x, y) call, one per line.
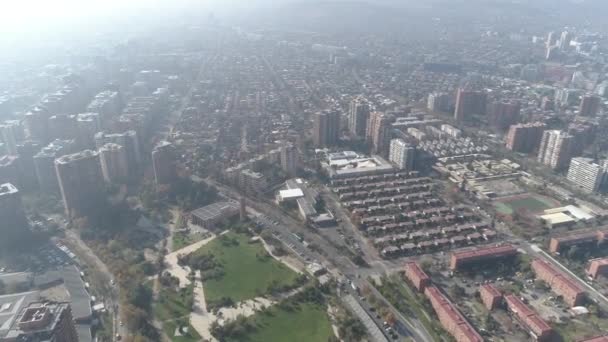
point(308, 172)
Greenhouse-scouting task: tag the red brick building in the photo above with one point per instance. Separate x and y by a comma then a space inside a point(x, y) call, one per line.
point(598, 267)
point(529, 318)
point(461, 258)
point(559, 282)
point(416, 275)
point(525, 138)
point(451, 319)
point(579, 237)
point(490, 296)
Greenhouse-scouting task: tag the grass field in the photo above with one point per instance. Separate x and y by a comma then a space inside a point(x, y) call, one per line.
point(183, 239)
point(173, 304)
point(308, 323)
point(577, 329)
point(248, 269)
point(531, 203)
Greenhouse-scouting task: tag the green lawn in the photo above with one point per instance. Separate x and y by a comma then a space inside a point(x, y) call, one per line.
point(173, 304)
point(578, 329)
point(308, 323)
point(183, 239)
point(171, 326)
point(248, 269)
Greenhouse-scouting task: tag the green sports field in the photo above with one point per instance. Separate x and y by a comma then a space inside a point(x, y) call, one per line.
point(531, 203)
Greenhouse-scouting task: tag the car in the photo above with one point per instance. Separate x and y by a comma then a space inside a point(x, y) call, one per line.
point(122, 324)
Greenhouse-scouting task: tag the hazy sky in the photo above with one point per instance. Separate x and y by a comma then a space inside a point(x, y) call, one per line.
point(21, 14)
point(32, 15)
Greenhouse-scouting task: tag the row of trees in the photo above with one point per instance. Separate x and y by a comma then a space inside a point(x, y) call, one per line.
point(110, 233)
point(239, 328)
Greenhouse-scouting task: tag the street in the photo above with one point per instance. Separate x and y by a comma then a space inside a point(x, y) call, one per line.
point(336, 263)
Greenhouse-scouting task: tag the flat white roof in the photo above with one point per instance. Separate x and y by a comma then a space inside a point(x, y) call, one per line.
point(291, 193)
point(557, 218)
point(578, 213)
point(571, 211)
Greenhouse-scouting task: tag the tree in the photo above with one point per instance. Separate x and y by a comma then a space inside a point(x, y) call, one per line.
point(134, 317)
point(390, 318)
point(365, 290)
point(425, 264)
point(351, 329)
point(490, 323)
point(456, 292)
point(573, 252)
point(540, 284)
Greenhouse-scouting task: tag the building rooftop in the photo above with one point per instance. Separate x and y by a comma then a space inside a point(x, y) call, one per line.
point(11, 305)
point(491, 289)
point(573, 212)
point(162, 144)
point(415, 268)
point(79, 297)
point(485, 251)
point(8, 189)
point(110, 147)
point(454, 315)
point(350, 164)
point(600, 261)
point(529, 316)
point(577, 235)
point(307, 201)
point(564, 279)
point(291, 193)
point(8, 160)
point(87, 117)
point(75, 157)
point(557, 218)
point(38, 318)
point(214, 210)
point(53, 148)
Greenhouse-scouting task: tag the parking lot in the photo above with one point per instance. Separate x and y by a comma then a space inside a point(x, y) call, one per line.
point(46, 257)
